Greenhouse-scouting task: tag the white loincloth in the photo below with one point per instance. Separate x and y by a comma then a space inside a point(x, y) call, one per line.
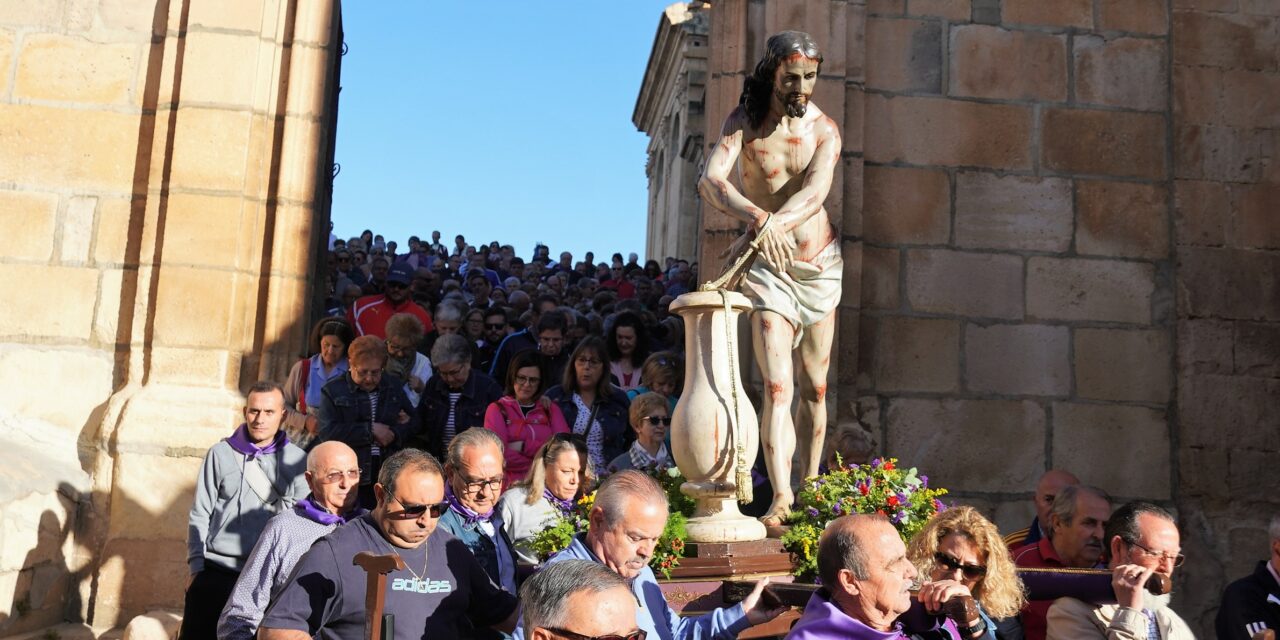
point(805, 294)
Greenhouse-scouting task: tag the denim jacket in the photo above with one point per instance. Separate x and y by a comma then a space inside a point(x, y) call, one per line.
point(345, 415)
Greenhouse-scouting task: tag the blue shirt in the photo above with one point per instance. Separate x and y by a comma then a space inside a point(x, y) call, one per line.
point(316, 379)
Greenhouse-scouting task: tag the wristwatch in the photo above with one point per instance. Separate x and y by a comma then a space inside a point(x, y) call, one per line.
point(969, 632)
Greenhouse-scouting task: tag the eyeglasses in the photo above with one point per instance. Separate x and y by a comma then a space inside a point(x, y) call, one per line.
point(492, 484)
point(638, 634)
point(528, 380)
point(589, 362)
point(970, 571)
point(415, 511)
point(664, 420)
point(352, 475)
point(1176, 558)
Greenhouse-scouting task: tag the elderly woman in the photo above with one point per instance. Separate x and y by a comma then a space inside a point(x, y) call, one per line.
point(523, 418)
point(404, 334)
point(663, 374)
point(329, 340)
point(962, 552)
point(549, 491)
point(650, 418)
point(368, 411)
point(628, 348)
point(592, 406)
point(455, 398)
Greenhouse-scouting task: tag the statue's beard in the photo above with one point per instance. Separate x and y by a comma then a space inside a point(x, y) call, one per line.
point(793, 104)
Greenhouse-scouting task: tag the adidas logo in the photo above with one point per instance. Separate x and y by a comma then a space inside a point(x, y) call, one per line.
point(414, 585)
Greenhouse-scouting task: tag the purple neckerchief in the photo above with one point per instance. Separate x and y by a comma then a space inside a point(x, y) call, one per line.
point(469, 517)
point(822, 619)
point(240, 442)
point(565, 507)
point(308, 509)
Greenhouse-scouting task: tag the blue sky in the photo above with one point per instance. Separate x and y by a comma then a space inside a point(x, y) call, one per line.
point(505, 120)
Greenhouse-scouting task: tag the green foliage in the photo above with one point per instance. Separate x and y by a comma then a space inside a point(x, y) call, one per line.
point(877, 488)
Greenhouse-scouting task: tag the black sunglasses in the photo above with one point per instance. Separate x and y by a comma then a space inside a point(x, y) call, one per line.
point(970, 571)
point(638, 634)
point(666, 420)
point(412, 512)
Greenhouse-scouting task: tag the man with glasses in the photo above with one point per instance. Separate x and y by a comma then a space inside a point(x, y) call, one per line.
point(1142, 539)
point(473, 473)
point(333, 475)
point(578, 600)
point(369, 314)
point(441, 593)
point(456, 397)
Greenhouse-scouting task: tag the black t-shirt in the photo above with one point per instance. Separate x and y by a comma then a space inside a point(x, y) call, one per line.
point(325, 595)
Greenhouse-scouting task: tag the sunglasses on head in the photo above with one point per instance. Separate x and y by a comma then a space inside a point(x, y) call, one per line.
point(970, 571)
point(412, 512)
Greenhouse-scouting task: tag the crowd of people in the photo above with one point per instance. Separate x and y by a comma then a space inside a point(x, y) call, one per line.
point(457, 401)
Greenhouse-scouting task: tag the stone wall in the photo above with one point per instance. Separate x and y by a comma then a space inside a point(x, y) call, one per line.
point(1061, 243)
point(160, 166)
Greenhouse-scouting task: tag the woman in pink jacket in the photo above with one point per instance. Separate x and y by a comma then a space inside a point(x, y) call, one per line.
point(523, 418)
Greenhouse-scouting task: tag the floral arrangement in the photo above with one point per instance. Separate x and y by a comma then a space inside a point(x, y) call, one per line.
point(880, 487)
point(670, 547)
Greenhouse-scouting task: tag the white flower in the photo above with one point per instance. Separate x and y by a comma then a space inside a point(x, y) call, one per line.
point(673, 472)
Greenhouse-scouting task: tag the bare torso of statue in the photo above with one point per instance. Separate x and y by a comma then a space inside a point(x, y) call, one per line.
point(785, 150)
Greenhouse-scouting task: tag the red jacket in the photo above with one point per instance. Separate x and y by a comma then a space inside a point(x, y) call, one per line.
point(369, 315)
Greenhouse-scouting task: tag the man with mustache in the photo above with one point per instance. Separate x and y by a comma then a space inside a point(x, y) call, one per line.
point(1142, 539)
point(1076, 534)
point(785, 150)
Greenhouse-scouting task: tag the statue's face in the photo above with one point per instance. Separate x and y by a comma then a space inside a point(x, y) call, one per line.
point(793, 84)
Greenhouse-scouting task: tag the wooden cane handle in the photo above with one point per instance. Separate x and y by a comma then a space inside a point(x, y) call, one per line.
point(376, 564)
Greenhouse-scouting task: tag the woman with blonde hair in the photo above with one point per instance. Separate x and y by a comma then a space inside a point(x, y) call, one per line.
point(548, 492)
point(960, 550)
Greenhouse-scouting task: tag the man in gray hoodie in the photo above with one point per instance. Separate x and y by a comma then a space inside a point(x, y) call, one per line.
point(245, 480)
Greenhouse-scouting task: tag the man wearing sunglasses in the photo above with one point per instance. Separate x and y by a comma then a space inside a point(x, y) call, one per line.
point(369, 314)
point(333, 475)
point(579, 600)
point(441, 593)
point(1142, 539)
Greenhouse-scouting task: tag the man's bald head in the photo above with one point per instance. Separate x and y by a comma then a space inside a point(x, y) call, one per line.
point(333, 473)
point(1050, 485)
point(323, 455)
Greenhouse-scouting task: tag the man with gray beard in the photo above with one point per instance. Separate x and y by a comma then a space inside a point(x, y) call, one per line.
point(1142, 539)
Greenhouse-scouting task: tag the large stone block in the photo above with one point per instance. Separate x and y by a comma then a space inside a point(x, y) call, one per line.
point(64, 309)
point(1206, 346)
point(934, 131)
point(1064, 13)
point(880, 271)
point(1018, 359)
point(154, 625)
point(77, 229)
point(904, 55)
point(152, 496)
point(208, 231)
point(907, 206)
point(944, 437)
point(1085, 141)
point(194, 307)
point(1251, 99)
point(1198, 95)
point(28, 218)
point(1124, 365)
point(1012, 212)
point(1137, 16)
point(209, 149)
point(112, 237)
point(1077, 289)
point(954, 10)
point(1124, 450)
point(1122, 219)
point(917, 354)
point(1216, 410)
point(25, 372)
point(973, 284)
point(1200, 472)
point(1225, 40)
point(45, 146)
point(249, 17)
point(1229, 284)
point(1227, 154)
point(34, 530)
point(71, 69)
point(140, 575)
point(1121, 72)
point(228, 66)
point(1202, 213)
point(1257, 215)
point(991, 62)
point(1257, 349)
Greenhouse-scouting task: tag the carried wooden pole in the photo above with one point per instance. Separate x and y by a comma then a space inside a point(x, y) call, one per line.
point(375, 591)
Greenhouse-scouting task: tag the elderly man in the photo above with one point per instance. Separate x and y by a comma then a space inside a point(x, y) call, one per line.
point(1076, 524)
point(441, 593)
point(244, 481)
point(473, 482)
point(623, 527)
point(1142, 539)
point(369, 314)
point(578, 599)
point(333, 475)
point(865, 575)
point(1047, 488)
point(1251, 604)
point(456, 397)
point(367, 410)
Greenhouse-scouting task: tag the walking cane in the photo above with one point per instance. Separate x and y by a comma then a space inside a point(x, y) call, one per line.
point(376, 625)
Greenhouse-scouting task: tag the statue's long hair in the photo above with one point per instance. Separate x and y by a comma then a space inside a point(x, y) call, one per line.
point(758, 87)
